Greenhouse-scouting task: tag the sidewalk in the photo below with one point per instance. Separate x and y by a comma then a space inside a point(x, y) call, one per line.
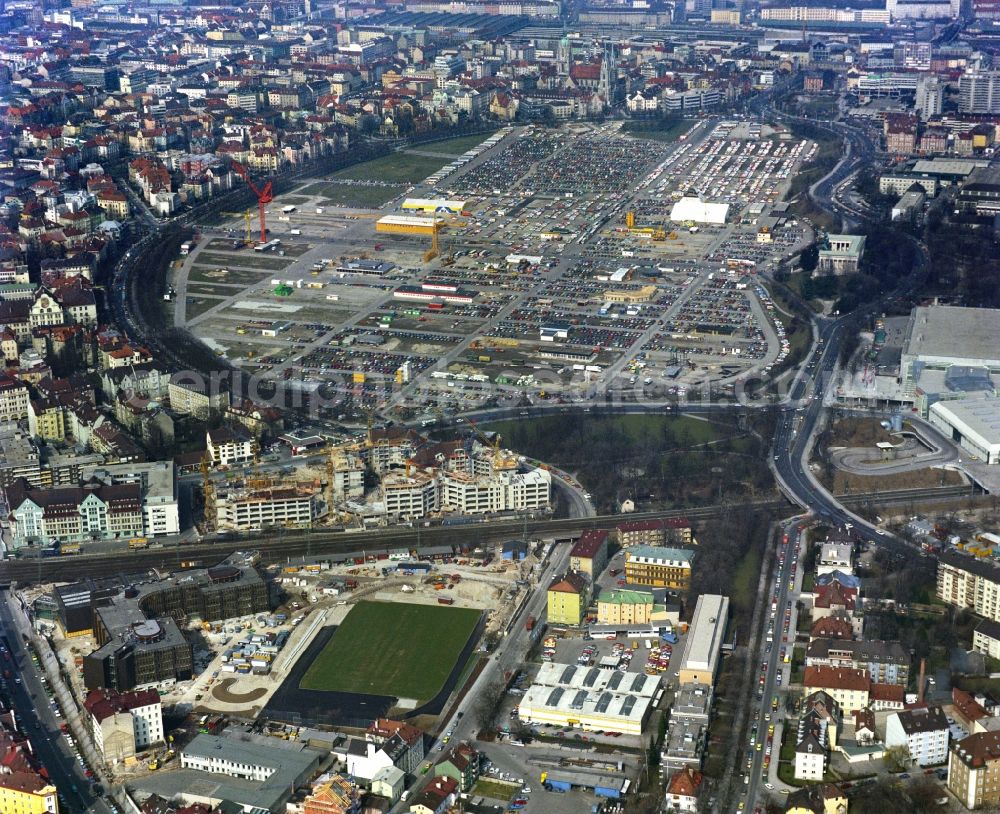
point(67, 702)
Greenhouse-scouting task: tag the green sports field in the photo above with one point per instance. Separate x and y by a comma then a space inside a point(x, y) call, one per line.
point(392, 648)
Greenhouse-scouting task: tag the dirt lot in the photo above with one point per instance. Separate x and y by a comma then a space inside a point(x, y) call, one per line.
point(857, 432)
point(846, 483)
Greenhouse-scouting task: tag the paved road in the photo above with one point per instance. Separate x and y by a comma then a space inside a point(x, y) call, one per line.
point(38, 721)
point(506, 660)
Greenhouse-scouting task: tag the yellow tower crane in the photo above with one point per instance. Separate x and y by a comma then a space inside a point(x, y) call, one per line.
point(435, 248)
point(208, 492)
point(247, 223)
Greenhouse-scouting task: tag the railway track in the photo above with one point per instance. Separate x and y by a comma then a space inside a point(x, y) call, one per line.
point(277, 548)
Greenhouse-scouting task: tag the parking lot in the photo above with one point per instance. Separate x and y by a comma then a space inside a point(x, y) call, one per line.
point(562, 276)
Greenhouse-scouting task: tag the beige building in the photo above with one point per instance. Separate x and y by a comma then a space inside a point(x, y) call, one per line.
point(13, 399)
point(618, 607)
point(968, 582)
point(190, 397)
point(974, 770)
point(849, 688)
point(702, 651)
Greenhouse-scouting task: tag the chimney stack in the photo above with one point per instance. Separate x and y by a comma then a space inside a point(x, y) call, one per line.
point(921, 681)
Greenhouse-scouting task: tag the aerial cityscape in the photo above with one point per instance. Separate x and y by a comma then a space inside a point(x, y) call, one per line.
point(544, 406)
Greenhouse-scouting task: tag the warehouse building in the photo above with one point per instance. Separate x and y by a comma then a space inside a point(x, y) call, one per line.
point(692, 208)
point(939, 336)
point(408, 225)
point(430, 206)
point(700, 663)
point(974, 424)
point(590, 698)
point(249, 772)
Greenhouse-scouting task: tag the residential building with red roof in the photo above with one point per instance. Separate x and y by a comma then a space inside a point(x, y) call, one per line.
point(590, 554)
point(124, 723)
point(849, 688)
point(683, 790)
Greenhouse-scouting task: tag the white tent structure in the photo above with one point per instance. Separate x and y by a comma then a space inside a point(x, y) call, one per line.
point(693, 208)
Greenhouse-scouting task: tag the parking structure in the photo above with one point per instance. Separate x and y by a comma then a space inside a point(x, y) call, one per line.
point(558, 275)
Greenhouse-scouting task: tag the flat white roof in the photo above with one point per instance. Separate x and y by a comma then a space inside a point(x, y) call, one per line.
point(976, 418)
point(707, 629)
point(938, 333)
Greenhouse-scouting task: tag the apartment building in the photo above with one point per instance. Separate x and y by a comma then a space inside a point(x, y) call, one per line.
point(974, 770)
point(568, 597)
point(849, 688)
point(23, 792)
point(504, 491)
point(590, 553)
point(229, 447)
point(409, 496)
point(979, 92)
point(969, 582)
point(885, 662)
point(817, 733)
point(623, 607)
point(194, 397)
point(703, 648)
point(923, 731)
point(659, 567)
point(669, 531)
point(835, 557)
point(157, 481)
point(74, 514)
point(986, 638)
point(123, 723)
point(13, 399)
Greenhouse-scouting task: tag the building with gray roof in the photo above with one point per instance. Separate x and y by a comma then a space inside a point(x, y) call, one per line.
point(939, 336)
point(252, 771)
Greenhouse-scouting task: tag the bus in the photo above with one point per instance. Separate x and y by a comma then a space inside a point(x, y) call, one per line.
point(137, 543)
point(271, 245)
point(69, 548)
point(287, 210)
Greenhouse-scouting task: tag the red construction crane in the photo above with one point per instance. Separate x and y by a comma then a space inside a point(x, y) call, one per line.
point(264, 197)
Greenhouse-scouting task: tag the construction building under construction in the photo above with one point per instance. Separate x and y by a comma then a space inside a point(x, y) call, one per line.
point(248, 509)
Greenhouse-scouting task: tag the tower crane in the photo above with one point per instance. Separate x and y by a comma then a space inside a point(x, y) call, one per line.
point(208, 491)
point(264, 197)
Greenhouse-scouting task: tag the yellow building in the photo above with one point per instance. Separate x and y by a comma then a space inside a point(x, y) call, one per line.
point(408, 225)
point(823, 798)
point(658, 567)
point(568, 597)
point(46, 421)
point(624, 607)
point(630, 295)
point(590, 554)
point(27, 793)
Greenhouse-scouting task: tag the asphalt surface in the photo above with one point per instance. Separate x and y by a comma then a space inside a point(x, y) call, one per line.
point(41, 726)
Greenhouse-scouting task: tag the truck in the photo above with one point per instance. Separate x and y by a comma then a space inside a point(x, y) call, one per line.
point(529, 623)
point(445, 600)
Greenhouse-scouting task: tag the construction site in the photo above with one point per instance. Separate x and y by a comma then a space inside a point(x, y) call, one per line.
point(541, 264)
point(385, 476)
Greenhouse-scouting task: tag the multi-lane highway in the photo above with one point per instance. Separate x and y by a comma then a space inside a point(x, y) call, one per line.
point(767, 663)
point(38, 721)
